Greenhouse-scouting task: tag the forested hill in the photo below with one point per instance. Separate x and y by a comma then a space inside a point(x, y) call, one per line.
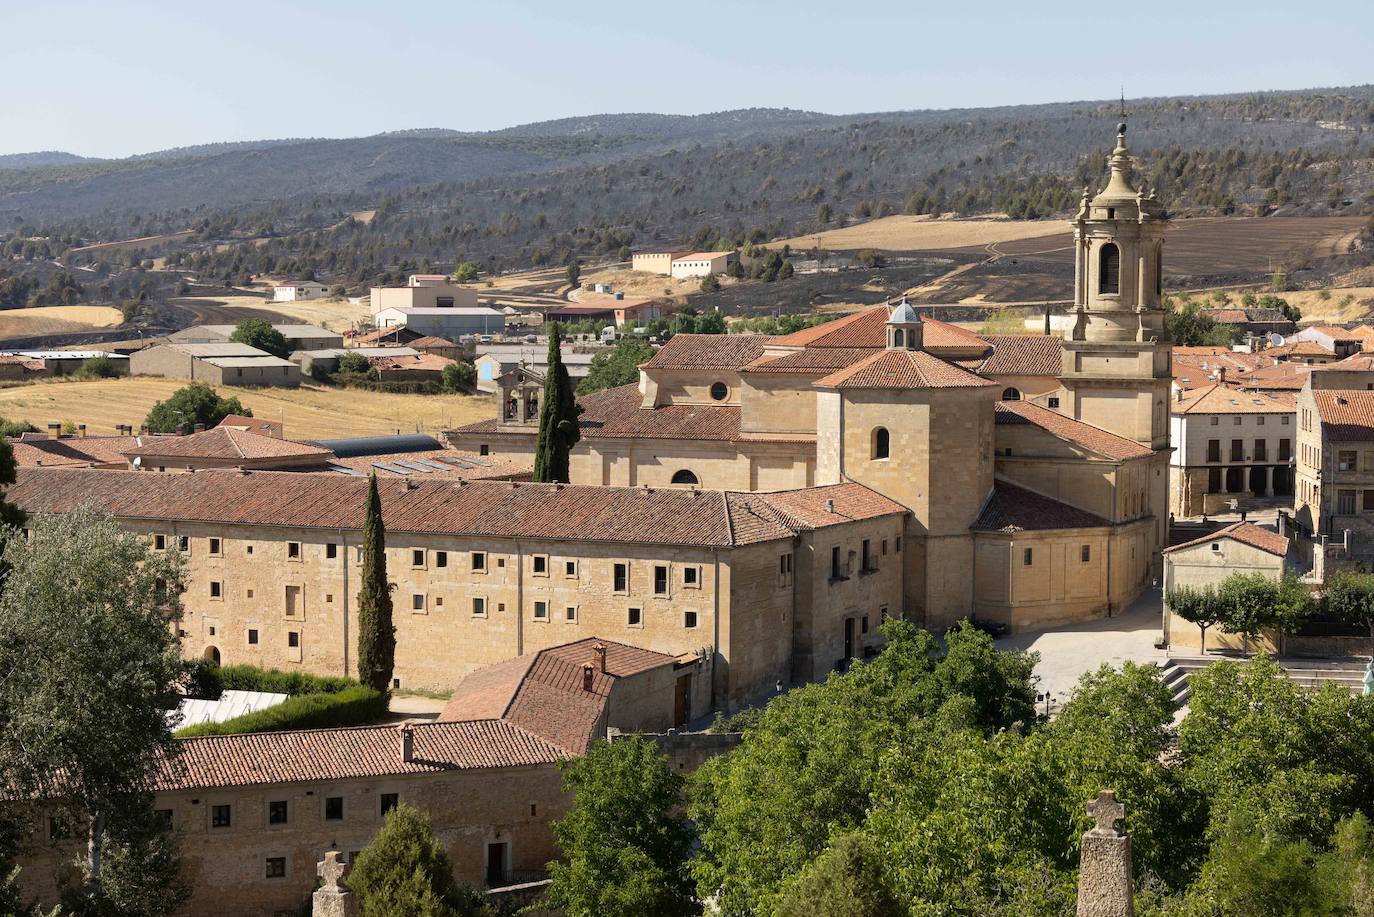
point(540, 193)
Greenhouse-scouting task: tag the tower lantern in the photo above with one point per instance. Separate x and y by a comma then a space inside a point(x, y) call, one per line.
point(904, 328)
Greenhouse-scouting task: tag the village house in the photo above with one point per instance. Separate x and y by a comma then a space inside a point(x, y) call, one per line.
point(1230, 445)
point(1339, 341)
point(217, 364)
point(1335, 468)
point(656, 262)
point(298, 290)
point(699, 264)
point(621, 313)
point(222, 447)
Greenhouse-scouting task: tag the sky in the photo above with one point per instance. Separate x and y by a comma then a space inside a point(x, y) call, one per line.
point(116, 77)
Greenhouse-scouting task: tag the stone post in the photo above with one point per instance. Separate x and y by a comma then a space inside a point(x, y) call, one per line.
point(1104, 872)
point(333, 899)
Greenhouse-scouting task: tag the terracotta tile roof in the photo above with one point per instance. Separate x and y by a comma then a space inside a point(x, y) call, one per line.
point(74, 452)
point(338, 754)
point(1077, 432)
point(398, 333)
point(1022, 355)
point(29, 364)
point(1346, 416)
point(453, 464)
point(424, 362)
point(811, 360)
point(818, 507)
point(902, 369)
point(544, 693)
point(1013, 509)
point(431, 340)
point(223, 442)
point(1244, 532)
point(1226, 399)
point(1355, 363)
point(708, 351)
point(1227, 316)
point(253, 425)
point(1299, 349)
point(1331, 331)
point(1287, 377)
point(869, 329)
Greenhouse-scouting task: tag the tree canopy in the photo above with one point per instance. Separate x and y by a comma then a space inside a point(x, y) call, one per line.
point(196, 403)
point(376, 632)
point(259, 333)
point(558, 413)
point(406, 871)
point(618, 367)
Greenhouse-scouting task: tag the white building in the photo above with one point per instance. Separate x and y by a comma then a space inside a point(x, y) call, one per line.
point(422, 291)
point(298, 290)
point(699, 264)
point(450, 322)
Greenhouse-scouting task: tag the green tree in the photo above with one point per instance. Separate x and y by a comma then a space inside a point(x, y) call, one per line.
point(1197, 606)
point(574, 273)
point(1190, 326)
point(353, 362)
point(89, 663)
point(192, 404)
point(1350, 598)
point(98, 367)
point(710, 283)
point(376, 633)
point(558, 427)
point(459, 377)
point(404, 870)
point(259, 333)
point(467, 272)
point(847, 880)
point(626, 852)
point(619, 366)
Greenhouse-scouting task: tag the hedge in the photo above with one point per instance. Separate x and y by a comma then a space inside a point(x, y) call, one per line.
point(357, 705)
point(209, 681)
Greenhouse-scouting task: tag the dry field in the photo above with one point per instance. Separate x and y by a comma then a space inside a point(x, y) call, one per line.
point(922, 233)
point(309, 412)
point(640, 284)
point(1336, 304)
point(18, 323)
point(334, 314)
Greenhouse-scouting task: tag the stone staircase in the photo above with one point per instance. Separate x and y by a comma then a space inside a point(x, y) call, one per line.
point(1308, 673)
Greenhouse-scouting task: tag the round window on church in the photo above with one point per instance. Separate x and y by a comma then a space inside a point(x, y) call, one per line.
point(684, 477)
point(720, 391)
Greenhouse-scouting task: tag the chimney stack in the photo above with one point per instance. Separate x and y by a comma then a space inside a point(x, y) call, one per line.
point(588, 670)
point(829, 506)
point(1221, 374)
point(81, 430)
point(54, 431)
point(600, 650)
point(407, 743)
point(199, 428)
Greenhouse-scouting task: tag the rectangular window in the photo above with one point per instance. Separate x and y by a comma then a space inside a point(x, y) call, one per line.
point(635, 617)
point(216, 548)
point(1259, 421)
point(898, 548)
point(293, 550)
point(689, 619)
point(1214, 420)
point(216, 589)
point(331, 551)
point(784, 569)
point(541, 611)
point(660, 579)
point(1283, 421)
point(1027, 557)
point(417, 557)
point(160, 542)
point(1237, 450)
point(333, 808)
point(389, 801)
point(836, 567)
point(276, 868)
point(1085, 554)
point(540, 564)
point(867, 556)
point(221, 816)
point(277, 811)
point(252, 636)
point(1053, 401)
point(691, 577)
point(441, 559)
point(479, 607)
point(1345, 502)
point(293, 638)
point(479, 562)
point(1261, 450)
point(570, 569)
point(884, 550)
point(621, 578)
point(417, 601)
point(1345, 461)
point(1235, 421)
point(570, 614)
point(1213, 450)
point(184, 544)
point(1368, 500)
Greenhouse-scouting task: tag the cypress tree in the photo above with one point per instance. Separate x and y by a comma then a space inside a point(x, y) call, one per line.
point(376, 634)
point(558, 431)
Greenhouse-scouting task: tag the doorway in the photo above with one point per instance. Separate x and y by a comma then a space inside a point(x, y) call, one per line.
point(498, 853)
point(682, 700)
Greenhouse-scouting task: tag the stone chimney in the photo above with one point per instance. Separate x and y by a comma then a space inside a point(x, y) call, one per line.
point(829, 506)
point(599, 650)
point(1104, 870)
point(1221, 375)
point(588, 675)
point(198, 428)
point(407, 743)
point(81, 430)
point(54, 431)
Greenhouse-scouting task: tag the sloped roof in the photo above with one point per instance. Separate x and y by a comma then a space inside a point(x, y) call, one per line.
point(1013, 509)
point(1299, 349)
point(228, 443)
point(1346, 416)
point(810, 360)
point(1022, 355)
point(75, 452)
point(1095, 439)
point(1226, 399)
point(708, 351)
point(453, 464)
point(1331, 331)
point(1278, 377)
point(906, 369)
point(253, 425)
point(869, 329)
point(1245, 532)
point(1355, 363)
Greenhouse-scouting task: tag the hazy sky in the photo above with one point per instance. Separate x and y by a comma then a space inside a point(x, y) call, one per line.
point(115, 77)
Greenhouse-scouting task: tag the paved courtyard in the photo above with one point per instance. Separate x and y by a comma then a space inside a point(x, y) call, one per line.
point(1069, 651)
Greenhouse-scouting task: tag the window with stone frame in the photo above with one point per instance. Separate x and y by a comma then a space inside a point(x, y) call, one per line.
point(278, 812)
point(275, 868)
point(1345, 460)
point(221, 816)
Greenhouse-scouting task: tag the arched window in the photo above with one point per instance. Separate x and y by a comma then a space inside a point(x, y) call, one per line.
point(880, 443)
point(720, 391)
point(1109, 269)
point(1011, 394)
point(212, 654)
point(898, 338)
point(684, 476)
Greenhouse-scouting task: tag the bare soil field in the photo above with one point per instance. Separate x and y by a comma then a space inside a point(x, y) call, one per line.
point(309, 412)
point(334, 314)
point(641, 284)
point(922, 233)
point(20, 323)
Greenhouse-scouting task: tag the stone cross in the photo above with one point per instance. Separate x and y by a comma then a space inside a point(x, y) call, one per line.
point(1104, 870)
point(333, 899)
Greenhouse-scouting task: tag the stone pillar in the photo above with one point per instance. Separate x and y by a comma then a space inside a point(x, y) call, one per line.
point(1268, 481)
point(333, 899)
point(1104, 872)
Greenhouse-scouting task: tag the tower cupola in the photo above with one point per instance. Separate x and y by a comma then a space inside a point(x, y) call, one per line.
point(904, 328)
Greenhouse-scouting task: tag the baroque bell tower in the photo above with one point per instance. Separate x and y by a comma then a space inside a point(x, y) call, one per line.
point(1116, 362)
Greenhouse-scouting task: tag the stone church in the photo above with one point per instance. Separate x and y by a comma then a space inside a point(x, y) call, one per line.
point(1034, 468)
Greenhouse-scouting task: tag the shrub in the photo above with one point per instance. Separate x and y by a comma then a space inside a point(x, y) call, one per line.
point(101, 367)
point(460, 377)
point(353, 706)
point(252, 678)
point(354, 363)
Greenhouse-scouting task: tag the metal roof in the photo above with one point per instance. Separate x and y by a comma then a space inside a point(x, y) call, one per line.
point(380, 445)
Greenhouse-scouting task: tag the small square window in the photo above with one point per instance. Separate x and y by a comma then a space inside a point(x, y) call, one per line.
point(276, 867)
point(293, 638)
point(500, 562)
point(570, 568)
point(293, 550)
point(221, 816)
point(479, 562)
point(441, 559)
point(216, 589)
point(691, 577)
point(636, 617)
point(1053, 401)
point(250, 593)
point(541, 611)
point(570, 614)
point(1216, 547)
point(479, 607)
point(277, 811)
point(897, 545)
point(216, 547)
point(438, 601)
point(248, 549)
point(689, 619)
point(417, 601)
point(252, 636)
point(329, 598)
point(331, 551)
point(1214, 420)
point(540, 564)
point(484, 449)
point(333, 808)
point(212, 630)
point(389, 802)
point(417, 557)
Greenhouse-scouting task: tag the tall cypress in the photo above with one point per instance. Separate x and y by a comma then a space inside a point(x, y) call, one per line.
point(558, 430)
point(376, 633)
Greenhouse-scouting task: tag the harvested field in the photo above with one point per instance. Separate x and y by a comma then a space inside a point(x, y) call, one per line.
point(922, 233)
point(334, 314)
point(310, 412)
point(638, 284)
point(20, 323)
